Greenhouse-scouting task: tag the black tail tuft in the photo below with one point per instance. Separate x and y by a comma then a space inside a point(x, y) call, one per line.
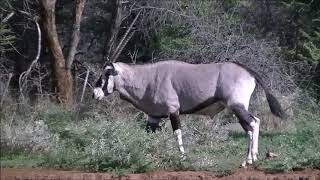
point(275, 106)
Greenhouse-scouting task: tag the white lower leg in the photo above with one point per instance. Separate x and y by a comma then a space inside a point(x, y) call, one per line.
point(179, 140)
point(255, 144)
point(249, 153)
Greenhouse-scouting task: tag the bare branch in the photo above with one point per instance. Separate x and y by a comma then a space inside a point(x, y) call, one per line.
point(84, 85)
point(162, 9)
point(75, 38)
point(6, 89)
point(7, 18)
point(23, 76)
point(133, 56)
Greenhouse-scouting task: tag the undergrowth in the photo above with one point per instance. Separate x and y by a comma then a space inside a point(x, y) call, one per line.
point(118, 143)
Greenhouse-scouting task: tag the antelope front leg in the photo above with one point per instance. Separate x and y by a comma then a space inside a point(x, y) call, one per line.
point(153, 124)
point(176, 127)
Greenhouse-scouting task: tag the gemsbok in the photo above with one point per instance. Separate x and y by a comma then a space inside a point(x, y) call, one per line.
point(170, 88)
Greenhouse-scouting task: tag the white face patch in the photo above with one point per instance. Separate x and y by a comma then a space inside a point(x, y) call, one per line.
point(98, 93)
point(110, 84)
point(108, 67)
point(103, 82)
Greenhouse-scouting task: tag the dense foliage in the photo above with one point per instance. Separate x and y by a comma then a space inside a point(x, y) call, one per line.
point(280, 39)
point(275, 37)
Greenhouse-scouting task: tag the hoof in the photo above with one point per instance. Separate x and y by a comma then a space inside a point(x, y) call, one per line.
point(254, 159)
point(246, 163)
point(183, 157)
point(243, 164)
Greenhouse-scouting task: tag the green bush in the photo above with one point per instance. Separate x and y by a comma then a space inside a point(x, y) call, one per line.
point(172, 38)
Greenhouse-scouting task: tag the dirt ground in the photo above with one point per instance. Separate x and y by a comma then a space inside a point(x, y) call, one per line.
point(244, 174)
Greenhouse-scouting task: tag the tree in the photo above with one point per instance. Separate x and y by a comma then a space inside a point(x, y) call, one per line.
point(61, 65)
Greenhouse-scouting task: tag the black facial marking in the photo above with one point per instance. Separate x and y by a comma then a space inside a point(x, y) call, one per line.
point(111, 70)
point(105, 76)
point(99, 82)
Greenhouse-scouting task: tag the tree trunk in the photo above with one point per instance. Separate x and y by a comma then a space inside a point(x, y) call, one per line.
point(62, 75)
point(62, 66)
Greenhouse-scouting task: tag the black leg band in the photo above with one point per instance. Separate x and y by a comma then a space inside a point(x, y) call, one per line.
point(245, 118)
point(175, 121)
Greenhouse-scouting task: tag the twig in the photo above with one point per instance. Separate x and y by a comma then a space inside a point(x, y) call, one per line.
point(39, 80)
point(133, 56)
point(84, 85)
point(75, 38)
point(23, 76)
point(6, 89)
point(88, 83)
point(7, 18)
point(162, 9)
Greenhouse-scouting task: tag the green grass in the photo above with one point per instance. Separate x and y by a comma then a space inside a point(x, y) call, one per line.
point(120, 145)
point(19, 158)
point(296, 150)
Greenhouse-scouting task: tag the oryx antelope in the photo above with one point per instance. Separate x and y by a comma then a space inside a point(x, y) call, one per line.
point(171, 88)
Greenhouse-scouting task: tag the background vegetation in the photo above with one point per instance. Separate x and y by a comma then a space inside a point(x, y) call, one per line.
point(44, 125)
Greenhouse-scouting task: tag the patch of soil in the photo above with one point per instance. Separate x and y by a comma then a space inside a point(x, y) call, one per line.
point(249, 174)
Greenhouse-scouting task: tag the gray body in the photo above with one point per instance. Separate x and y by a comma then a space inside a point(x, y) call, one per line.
point(170, 88)
point(165, 87)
